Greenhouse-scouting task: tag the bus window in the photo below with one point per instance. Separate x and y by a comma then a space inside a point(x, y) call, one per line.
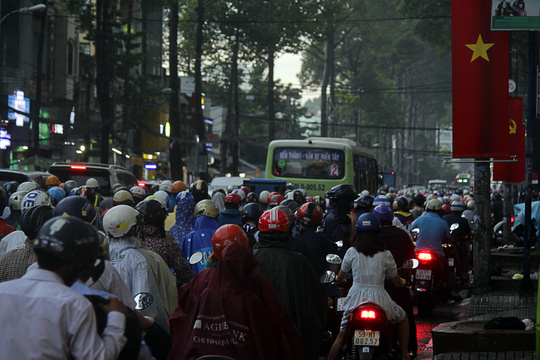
point(309, 164)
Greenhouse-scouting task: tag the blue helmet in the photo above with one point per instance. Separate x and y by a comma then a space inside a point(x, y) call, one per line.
point(76, 206)
point(384, 213)
point(57, 194)
point(364, 201)
point(251, 211)
point(381, 200)
point(368, 222)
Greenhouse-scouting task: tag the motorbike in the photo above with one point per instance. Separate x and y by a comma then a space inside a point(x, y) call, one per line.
point(370, 335)
point(429, 284)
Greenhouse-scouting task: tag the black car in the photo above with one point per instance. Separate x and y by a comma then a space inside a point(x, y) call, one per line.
point(20, 176)
point(105, 174)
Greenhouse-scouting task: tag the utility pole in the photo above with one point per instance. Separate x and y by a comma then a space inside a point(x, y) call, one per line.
point(199, 116)
point(39, 74)
point(174, 106)
point(482, 243)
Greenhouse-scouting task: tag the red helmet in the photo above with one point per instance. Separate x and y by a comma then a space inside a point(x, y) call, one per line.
point(309, 214)
point(275, 200)
point(233, 198)
point(245, 189)
point(226, 235)
point(274, 220)
point(272, 194)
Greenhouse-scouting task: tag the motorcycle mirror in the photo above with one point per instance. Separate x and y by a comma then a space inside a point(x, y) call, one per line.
point(339, 244)
point(333, 259)
point(195, 258)
point(411, 264)
point(454, 226)
point(328, 277)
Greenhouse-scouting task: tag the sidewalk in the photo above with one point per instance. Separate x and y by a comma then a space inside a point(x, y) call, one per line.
point(482, 308)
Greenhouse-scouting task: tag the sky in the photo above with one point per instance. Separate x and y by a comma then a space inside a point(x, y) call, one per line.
point(287, 66)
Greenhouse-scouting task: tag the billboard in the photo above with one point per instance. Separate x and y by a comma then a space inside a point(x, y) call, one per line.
point(515, 15)
point(18, 102)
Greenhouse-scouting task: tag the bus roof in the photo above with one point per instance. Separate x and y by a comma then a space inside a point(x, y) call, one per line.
point(324, 142)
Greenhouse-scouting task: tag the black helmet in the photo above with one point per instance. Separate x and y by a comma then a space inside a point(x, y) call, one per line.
point(419, 199)
point(252, 198)
point(291, 204)
point(288, 212)
point(33, 218)
point(69, 185)
point(154, 213)
point(76, 206)
point(364, 202)
point(342, 191)
point(299, 197)
point(251, 211)
point(4, 198)
point(11, 187)
point(198, 187)
point(68, 238)
point(402, 203)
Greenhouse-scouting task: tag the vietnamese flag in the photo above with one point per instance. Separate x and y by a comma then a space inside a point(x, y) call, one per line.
point(479, 82)
point(513, 172)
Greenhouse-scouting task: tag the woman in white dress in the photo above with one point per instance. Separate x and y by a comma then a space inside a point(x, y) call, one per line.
point(369, 262)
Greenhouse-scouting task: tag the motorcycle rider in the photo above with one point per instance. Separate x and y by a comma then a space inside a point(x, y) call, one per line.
point(433, 231)
point(461, 231)
point(293, 278)
point(400, 245)
point(363, 205)
point(369, 261)
point(340, 219)
point(231, 309)
point(250, 219)
point(199, 190)
point(418, 202)
point(231, 214)
point(184, 217)
point(66, 326)
point(200, 238)
point(401, 211)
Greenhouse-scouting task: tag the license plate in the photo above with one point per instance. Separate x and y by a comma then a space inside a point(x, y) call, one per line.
point(450, 261)
point(423, 274)
point(340, 302)
point(366, 337)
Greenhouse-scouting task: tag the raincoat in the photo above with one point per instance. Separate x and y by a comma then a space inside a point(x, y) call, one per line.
point(232, 310)
point(219, 199)
point(297, 287)
point(200, 239)
point(185, 219)
point(137, 275)
point(230, 216)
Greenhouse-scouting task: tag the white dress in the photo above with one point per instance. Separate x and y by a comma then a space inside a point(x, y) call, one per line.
point(368, 282)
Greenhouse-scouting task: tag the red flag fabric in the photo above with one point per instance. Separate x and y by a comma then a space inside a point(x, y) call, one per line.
point(513, 172)
point(479, 82)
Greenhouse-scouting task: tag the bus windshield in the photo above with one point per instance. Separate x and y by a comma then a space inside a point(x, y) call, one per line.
point(309, 163)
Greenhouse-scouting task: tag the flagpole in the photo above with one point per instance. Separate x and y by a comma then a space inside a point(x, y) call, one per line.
point(526, 284)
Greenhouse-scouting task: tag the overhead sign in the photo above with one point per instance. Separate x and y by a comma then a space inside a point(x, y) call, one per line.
point(515, 15)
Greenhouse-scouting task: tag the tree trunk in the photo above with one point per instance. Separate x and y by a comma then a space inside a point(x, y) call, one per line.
point(270, 84)
point(104, 73)
point(198, 111)
point(234, 79)
point(482, 243)
point(328, 60)
point(174, 105)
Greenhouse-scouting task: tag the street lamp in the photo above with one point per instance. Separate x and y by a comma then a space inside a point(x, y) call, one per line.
point(25, 10)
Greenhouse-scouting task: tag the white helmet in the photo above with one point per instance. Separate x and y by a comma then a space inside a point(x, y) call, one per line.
point(434, 205)
point(240, 192)
point(364, 192)
point(28, 186)
point(263, 197)
point(119, 220)
point(166, 186)
point(470, 204)
point(93, 183)
point(138, 192)
point(162, 197)
point(122, 196)
point(35, 198)
point(15, 200)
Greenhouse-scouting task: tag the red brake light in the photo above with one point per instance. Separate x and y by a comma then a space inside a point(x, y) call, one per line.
point(78, 167)
point(424, 256)
point(141, 184)
point(512, 219)
point(368, 314)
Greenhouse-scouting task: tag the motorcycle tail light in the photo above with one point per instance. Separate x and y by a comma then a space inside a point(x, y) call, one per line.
point(141, 184)
point(424, 257)
point(366, 314)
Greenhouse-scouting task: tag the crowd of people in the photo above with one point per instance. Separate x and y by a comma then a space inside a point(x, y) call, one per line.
point(178, 273)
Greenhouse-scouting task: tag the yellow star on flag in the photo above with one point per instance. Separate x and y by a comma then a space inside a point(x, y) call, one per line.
point(479, 49)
